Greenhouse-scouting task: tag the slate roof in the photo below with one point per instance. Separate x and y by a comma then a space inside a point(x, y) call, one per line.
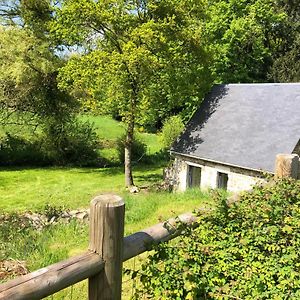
point(244, 125)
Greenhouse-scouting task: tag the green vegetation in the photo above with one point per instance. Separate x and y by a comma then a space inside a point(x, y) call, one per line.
point(147, 60)
point(171, 129)
point(57, 242)
point(107, 129)
point(110, 133)
point(89, 140)
point(126, 69)
point(248, 250)
point(30, 189)
point(141, 62)
point(24, 189)
point(30, 97)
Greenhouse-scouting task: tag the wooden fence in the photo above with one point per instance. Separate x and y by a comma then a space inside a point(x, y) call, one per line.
point(102, 263)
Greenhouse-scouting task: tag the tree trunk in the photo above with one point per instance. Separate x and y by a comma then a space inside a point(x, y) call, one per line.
point(128, 154)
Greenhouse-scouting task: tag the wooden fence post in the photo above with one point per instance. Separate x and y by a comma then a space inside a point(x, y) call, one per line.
point(106, 239)
point(286, 165)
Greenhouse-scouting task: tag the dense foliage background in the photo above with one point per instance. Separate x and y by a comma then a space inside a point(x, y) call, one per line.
point(248, 250)
point(139, 61)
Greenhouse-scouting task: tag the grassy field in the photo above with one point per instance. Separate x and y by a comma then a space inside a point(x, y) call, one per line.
point(31, 189)
point(110, 130)
point(61, 241)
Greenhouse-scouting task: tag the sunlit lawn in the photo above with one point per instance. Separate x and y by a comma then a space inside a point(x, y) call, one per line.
point(30, 189)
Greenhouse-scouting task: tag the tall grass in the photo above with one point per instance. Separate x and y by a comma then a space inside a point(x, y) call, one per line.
point(61, 241)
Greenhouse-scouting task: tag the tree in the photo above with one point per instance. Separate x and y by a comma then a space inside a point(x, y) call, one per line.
point(29, 95)
point(245, 37)
point(139, 59)
point(286, 66)
point(33, 14)
point(28, 71)
point(29, 64)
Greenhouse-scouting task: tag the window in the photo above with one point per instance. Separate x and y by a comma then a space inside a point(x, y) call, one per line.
point(222, 179)
point(194, 177)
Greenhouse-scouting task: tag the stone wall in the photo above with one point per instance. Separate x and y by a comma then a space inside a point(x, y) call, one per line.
point(239, 179)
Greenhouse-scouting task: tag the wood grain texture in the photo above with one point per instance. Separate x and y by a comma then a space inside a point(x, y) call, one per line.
point(141, 241)
point(106, 239)
point(51, 279)
point(287, 165)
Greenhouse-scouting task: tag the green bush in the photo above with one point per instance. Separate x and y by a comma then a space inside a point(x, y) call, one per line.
point(17, 150)
point(139, 149)
point(171, 129)
point(71, 143)
point(249, 250)
point(67, 143)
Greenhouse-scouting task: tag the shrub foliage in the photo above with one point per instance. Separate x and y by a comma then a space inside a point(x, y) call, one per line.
point(69, 143)
point(172, 128)
point(249, 250)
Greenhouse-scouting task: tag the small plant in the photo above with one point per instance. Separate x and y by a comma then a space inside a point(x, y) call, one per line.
point(171, 129)
point(15, 232)
point(51, 211)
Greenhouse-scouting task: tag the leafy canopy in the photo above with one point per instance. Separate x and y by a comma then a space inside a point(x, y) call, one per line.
point(139, 59)
point(245, 37)
point(28, 76)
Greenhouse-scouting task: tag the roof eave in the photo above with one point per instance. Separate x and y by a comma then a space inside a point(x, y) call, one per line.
point(222, 163)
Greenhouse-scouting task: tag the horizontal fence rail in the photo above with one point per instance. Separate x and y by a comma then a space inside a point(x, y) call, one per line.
point(100, 264)
point(141, 241)
point(51, 279)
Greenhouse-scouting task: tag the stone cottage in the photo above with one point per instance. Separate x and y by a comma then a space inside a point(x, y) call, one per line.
point(235, 135)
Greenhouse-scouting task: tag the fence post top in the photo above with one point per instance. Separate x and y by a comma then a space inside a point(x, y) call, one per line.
point(110, 200)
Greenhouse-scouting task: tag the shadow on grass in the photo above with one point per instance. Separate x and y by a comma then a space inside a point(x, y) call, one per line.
point(21, 168)
point(155, 161)
point(149, 177)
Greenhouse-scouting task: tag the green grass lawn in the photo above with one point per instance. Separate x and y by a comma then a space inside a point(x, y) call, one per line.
point(30, 189)
point(73, 188)
point(105, 126)
point(110, 130)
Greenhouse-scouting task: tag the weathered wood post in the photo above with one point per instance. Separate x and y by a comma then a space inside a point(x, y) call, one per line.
point(286, 165)
point(106, 239)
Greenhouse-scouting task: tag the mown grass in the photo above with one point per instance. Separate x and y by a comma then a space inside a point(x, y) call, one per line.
point(24, 189)
point(31, 189)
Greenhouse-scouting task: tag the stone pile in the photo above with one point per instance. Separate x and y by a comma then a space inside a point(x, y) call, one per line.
point(12, 268)
point(39, 221)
